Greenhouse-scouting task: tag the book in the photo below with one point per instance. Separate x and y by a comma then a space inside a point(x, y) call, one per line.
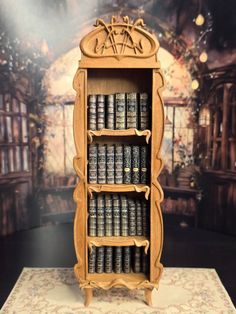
point(108, 259)
point(126, 259)
point(100, 215)
point(100, 112)
point(145, 218)
point(92, 112)
point(108, 216)
point(120, 111)
point(110, 164)
point(100, 259)
point(137, 260)
point(139, 230)
point(132, 110)
point(144, 122)
point(118, 163)
point(92, 261)
point(135, 164)
point(110, 112)
point(144, 262)
point(132, 217)
point(127, 164)
point(92, 217)
point(124, 216)
point(118, 259)
point(92, 152)
point(143, 164)
point(101, 163)
point(116, 214)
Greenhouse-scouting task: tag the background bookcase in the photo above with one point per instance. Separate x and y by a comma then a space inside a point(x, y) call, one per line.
point(118, 57)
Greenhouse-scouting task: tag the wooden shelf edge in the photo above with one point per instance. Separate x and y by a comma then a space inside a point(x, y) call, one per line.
point(126, 132)
point(118, 241)
point(98, 188)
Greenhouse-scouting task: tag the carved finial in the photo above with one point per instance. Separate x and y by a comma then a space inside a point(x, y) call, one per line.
point(139, 22)
point(113, 19)
point(126, 19)
point(99, 22)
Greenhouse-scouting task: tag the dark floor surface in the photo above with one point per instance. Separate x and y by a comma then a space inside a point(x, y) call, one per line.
point(52, 246)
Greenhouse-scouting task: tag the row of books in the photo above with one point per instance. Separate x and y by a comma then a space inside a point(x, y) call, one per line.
point(118, 163)
point(14, 159)
point(117, 215)
point(13, 129)
point(117, 259)
point(119, 111)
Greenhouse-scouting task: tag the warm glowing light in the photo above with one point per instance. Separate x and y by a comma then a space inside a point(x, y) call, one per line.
point(195, 84)
point(203, 57)
point(44, 48)
point(199, 21)
point(204, 116)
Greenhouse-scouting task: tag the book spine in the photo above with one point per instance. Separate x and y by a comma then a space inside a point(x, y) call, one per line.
point(120, 111)
point(92, 112)
point(92, 261)
point(110, 112)
point(93, 152)
point(108, 215)
point(144, 262)
point(143, 164)
point(139, 230)
point(92, 217)
point(126, 259)
point(145, 220)
point(118, 259)
point(135, 164)
point(100, 112)
point(132, 111)
point(132, 217)
point(100, 215)
point(127, 164)
point(110, 164)
point(116, 215)
point(100, 260)
point(101, 163)
point(108, 259)
point(144, 122)
point(124, 216)
point(137, 260)
point(118, 163)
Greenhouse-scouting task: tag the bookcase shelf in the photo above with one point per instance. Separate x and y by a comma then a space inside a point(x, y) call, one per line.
point(118, 83)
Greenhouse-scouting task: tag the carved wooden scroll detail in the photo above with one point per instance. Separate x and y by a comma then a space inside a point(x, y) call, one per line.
point(119, 39)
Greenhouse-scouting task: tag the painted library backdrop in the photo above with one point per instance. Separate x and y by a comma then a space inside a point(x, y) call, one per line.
point(38, 59)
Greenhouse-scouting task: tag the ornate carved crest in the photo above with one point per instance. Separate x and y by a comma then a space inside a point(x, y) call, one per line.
point(119, 40)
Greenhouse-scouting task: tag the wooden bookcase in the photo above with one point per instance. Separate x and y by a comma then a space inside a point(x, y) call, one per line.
point(118, 57)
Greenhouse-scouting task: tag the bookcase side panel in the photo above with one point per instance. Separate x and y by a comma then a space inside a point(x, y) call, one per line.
point(80, 165)
point(156, 223)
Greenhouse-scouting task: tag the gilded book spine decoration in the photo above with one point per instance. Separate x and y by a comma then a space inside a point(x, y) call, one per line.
point(110, 112)
point(120, 111)
point(132, 111)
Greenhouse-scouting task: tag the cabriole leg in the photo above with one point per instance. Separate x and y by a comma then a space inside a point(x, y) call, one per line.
point(88, 296)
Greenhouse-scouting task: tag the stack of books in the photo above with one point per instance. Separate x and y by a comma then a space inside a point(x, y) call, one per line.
point(119, 111)
point(117, 215)
point(118, 163)
point(117, 259)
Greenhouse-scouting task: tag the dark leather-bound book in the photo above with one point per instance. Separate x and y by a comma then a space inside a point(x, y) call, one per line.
point(108, 259)
point(92, 261)
point(101, 163)
point(118, 163)
point(143, 164)
point(124, 216)
point(116, 215)
point(144, 262)
point(127, 164)
point(137, 260)
point(110, 164)
point(108, 216)
point(110, 112)
point(145, 218)
point(92, 112)
point(135, 175)
point(132, 217)
point(132, 110)
point(100, 215)
point(120, 112)
point(100, 112)
point(139, 230)
point(100, 259)
point(126, 259)
point(144, 115)
point(118, 259)
point(93, 216)
point(92, 166)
